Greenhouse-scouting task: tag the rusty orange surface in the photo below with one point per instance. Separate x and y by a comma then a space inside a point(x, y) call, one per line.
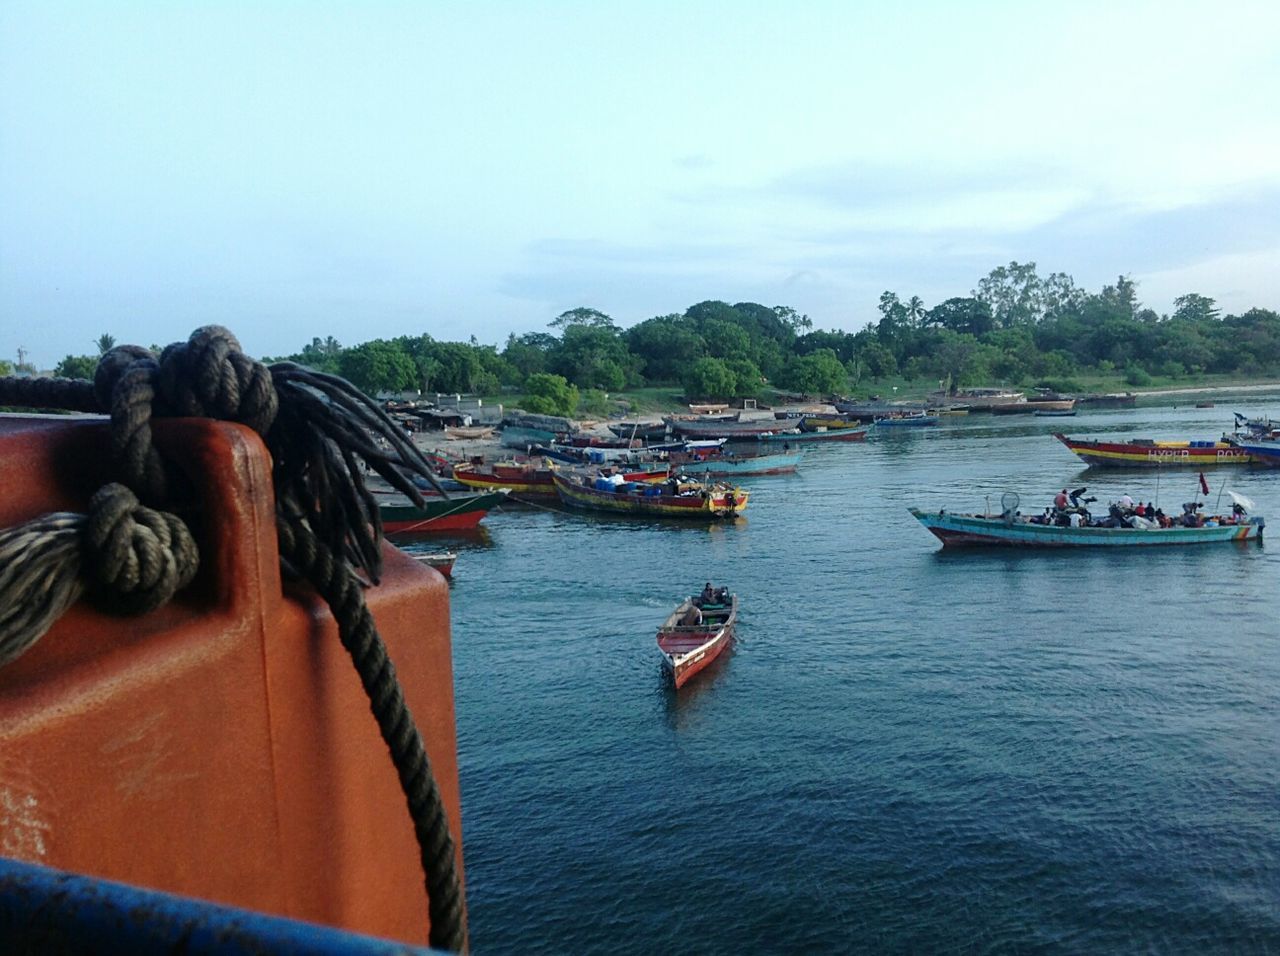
point(221, 747)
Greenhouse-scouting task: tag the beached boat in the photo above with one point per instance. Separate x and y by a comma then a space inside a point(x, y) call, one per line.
point(469, 434)
point(695, 633)
point(1013, 529)
point(1033, 405)
point(643, 431)
point(835, 434)
point(673, 498)
point(456, 513)
point(978, 399)
point(739, 466)
point(730, 429)
point(521, 436)
point(1145, 453)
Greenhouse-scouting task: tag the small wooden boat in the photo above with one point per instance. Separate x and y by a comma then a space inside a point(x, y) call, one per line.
point(813, 423)
point(673, 498)
point(521, 437)
point(1145, 453)
point(738, 466)
point(532, 479)
point(1204, 404)
point(469, 434)
point(442, 561)
point(695, 633)
point(643, 431)
point(1054, 413)
point(1013, 529)
point(838, 434)
point(730, 429)
point(1033, 405)
point(913, 420)
point(456, 513)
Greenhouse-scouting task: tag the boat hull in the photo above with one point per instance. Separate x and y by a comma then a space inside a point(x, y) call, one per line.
point(687, 651)
point(1263, 453)
point(459, 513)
point(1182, 454)
point(960, 530)
point(840, 434)
point(721, 504)
point(742, 467)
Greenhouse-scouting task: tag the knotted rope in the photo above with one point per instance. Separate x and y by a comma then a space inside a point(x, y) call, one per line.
point(316, 426)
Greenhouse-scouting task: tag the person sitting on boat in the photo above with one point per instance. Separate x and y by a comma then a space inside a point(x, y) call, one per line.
point(1126, 503)
point(708, 595)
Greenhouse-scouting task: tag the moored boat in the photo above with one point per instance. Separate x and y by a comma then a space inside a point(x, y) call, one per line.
point(912, 420)
point(730, 429)
point(696, 632)
point(1034, 405)
point(1145, 453)
point(978, 399)
point(442, 561)
point(837, 434)
point(456, 513)
point(737, 465)
point(673, 498)
point(532, 479)
point(1017, 530)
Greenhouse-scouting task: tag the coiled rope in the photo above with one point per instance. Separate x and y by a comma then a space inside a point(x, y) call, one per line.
point(135, 556)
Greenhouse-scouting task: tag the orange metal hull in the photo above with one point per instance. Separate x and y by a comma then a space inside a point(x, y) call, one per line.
point(220, 747)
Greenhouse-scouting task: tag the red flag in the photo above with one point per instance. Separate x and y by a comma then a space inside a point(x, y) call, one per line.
point(1204, 485)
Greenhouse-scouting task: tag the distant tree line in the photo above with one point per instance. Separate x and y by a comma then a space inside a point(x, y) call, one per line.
point(1016, 328)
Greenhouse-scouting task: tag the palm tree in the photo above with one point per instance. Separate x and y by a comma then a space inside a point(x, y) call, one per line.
point(915, 311)
point(105, 343)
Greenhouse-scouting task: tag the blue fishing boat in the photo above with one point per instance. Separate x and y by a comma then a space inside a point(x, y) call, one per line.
point(1010, 528)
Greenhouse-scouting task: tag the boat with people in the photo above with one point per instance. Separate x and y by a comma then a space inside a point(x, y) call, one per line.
point(739, 466)
point(676, 497)
point(455, 513)
point(697, 632)
point(1068, 524)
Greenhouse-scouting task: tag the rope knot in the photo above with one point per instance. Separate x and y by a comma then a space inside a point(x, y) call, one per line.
point(137, 558)
point(208, 376)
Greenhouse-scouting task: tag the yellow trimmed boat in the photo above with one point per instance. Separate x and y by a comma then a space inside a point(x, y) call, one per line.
point(673, 498)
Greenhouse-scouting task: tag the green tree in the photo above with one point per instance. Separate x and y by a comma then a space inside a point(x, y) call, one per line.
point(709, 378)
point(379, 366)
point(591, 318)
point(549, 394)
point(665, 344)
point(76, 366)
point(594, 357)
point(1014, 293)
point(963, 315)
point(818, 373)
point(747, 378)
point(1195, 308)
point(105, 343)
point(528, 353)
point(6, 367)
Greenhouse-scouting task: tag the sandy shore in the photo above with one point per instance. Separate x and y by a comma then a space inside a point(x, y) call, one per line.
point(1214, 390)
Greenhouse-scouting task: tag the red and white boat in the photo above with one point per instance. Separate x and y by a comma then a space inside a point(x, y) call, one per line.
point(695, 633)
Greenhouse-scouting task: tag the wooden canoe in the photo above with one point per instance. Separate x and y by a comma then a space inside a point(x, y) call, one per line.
point(687, 647)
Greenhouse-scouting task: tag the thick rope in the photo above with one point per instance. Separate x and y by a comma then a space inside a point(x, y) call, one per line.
point(133, 557)
point(315, 426)
point(334, 579)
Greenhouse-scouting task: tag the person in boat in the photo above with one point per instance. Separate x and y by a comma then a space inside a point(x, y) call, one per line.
point(1060, 500)
point(1125, 503)
point(708, 595)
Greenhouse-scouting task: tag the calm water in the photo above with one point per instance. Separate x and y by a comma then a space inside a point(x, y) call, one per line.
point(905, 751)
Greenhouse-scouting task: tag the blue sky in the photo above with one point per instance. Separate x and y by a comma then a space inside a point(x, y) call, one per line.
point(373, 169)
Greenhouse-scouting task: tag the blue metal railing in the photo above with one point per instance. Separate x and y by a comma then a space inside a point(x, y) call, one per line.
point(51, 911)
